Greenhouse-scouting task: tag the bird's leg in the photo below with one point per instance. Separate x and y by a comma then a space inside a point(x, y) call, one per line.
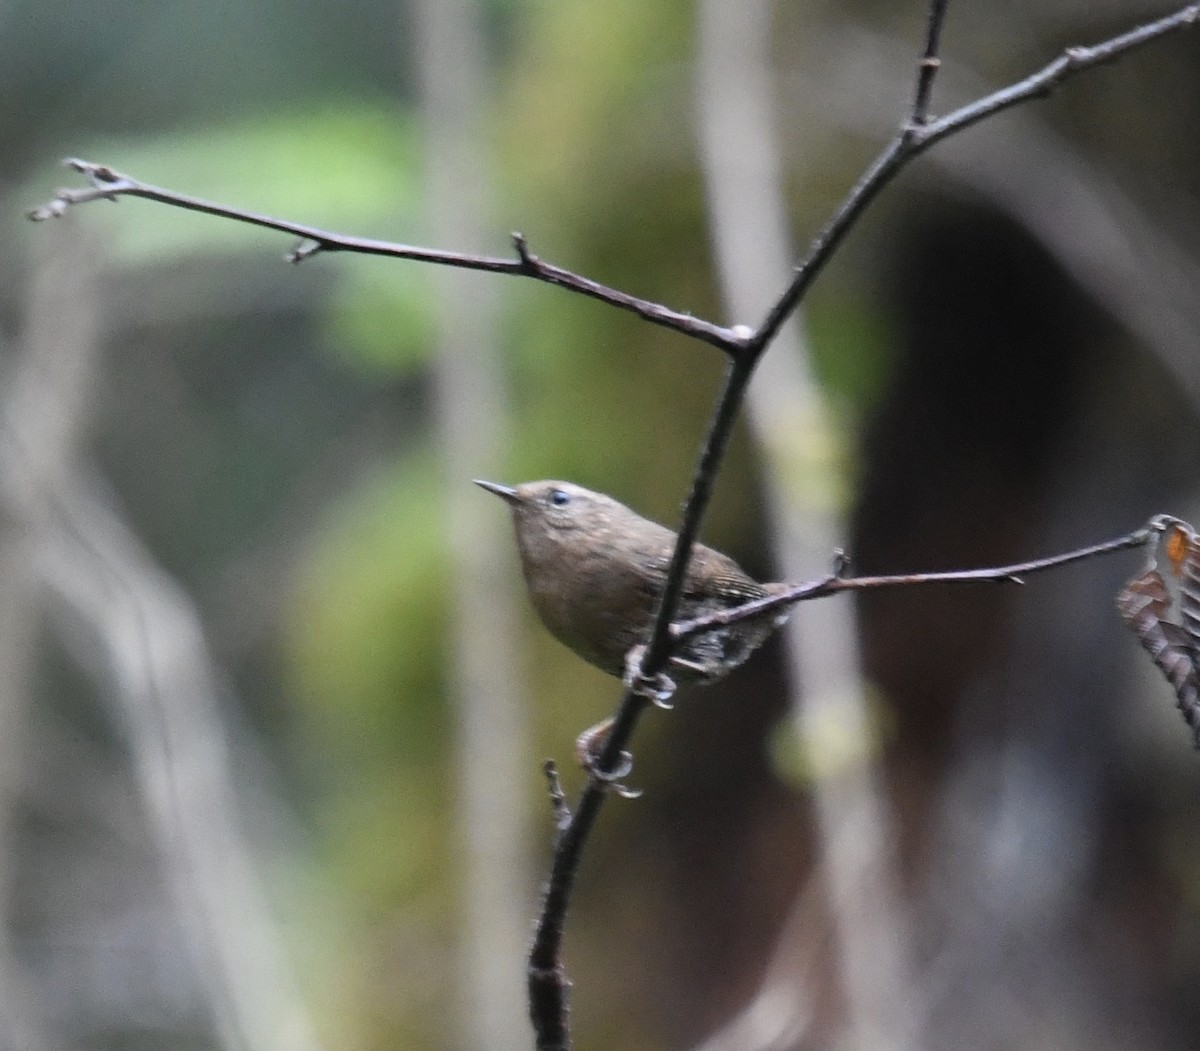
point(589, 745)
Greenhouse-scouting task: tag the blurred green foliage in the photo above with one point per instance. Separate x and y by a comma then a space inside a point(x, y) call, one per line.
point(341, 166)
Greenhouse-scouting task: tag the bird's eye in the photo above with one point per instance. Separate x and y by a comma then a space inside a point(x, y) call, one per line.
point(558, 498)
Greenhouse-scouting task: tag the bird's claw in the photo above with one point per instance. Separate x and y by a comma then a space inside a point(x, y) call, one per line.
point(614, 780)
point(657, 688)
point(588, 747)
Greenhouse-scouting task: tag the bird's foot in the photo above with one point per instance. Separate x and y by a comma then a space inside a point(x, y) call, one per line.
point(657, 688)
point(588, 748)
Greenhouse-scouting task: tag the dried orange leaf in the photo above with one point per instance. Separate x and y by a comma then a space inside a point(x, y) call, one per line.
point(1144, 604)
point(1176, 545)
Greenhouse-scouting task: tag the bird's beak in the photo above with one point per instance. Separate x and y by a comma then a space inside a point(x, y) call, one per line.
point(505, 492)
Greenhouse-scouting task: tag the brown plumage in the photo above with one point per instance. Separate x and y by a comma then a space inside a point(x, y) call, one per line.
point(595, 570)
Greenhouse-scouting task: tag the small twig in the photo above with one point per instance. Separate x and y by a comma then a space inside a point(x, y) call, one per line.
point(108, 184)
point(558, 798)
point(834, 583)
point(930, 64)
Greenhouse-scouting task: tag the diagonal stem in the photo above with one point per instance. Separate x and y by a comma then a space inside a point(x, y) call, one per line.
point(110, 185)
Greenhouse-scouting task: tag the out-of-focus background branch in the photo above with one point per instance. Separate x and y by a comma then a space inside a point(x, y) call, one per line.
point(238, 750)
point(471, 425)
point(804, 504)
point(145, 646)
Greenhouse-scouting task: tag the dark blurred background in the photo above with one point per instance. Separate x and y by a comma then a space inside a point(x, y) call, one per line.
point(272, 706)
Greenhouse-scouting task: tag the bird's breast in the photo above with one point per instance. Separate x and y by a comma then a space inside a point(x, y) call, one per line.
point(598, 605)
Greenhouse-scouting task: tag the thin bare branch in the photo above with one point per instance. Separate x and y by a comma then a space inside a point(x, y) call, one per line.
point(916, 137)
point(833, 583)
point(1124, 258)
point(927, 71)
point(110, 185)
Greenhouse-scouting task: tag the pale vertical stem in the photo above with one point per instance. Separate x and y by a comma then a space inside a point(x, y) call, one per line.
point(493, 772)
point(744, 186)
point(160, 679)
point(46, 404)
point(162, 686)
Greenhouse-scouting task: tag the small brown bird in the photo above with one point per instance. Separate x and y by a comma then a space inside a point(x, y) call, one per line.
point(595, 570)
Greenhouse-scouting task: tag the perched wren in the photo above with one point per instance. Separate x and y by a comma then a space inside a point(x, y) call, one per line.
point(595, 571)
